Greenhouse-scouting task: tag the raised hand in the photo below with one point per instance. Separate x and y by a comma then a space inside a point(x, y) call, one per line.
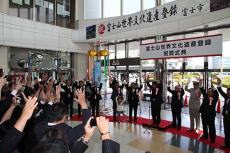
point(26, 113)
point(102, 125)
point(80, 98)
point(24, 96)
point(88, 130)
point(29, 107)
point(169, 83)
point(18, 84)
point(2, 81)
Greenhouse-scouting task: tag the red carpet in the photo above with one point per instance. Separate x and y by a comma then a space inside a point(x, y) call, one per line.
point(183, 131)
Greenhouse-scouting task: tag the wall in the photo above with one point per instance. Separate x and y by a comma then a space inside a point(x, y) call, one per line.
point(3, 57)
point(80, 66)
point(24, 33)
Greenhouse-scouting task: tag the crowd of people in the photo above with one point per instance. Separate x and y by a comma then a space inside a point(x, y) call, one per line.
point(33, 112)
point(33, 115)
point(206, 110)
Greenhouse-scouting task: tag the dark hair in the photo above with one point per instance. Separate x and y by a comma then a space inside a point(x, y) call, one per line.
point(35, 78)
point(51, 146)
point(228, 89)
point(29, 91)
point(57, 112)
point(155, 83)
point(54, 134)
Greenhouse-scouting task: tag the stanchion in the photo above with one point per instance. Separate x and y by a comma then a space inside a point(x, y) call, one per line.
point(148, 127)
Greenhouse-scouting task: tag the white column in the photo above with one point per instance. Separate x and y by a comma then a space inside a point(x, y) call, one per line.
point(79, 10)
point(4, 54)
point(4, 6)
point(80, 65)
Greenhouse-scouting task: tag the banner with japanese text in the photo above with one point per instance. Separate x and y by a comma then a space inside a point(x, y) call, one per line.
point(181, 48)
point(169, 12)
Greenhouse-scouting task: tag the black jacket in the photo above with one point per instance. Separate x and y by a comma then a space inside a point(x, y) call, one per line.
point(11, 140)
point(226, 107)
point(156, 97)
point(95, 92)
point(207, 109)
point(133, 96)
point(177, 102)
point(110, 146)
point(69, 94)
point(72, 133)
point(116, 92)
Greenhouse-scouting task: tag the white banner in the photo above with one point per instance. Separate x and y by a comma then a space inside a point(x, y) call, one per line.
point(190, 47)
point(172, 11)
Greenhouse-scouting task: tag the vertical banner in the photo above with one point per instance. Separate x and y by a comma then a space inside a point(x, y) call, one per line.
point(97, 72)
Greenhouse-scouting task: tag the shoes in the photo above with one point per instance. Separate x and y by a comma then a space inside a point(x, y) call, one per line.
point(197, 131)
point(173, 126)
point(190, 130)
point(225, 146)
point(203, 137)
point(212, 141)
point(178, 128)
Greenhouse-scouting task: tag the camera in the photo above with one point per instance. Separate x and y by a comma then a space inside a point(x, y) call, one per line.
point(93, 122)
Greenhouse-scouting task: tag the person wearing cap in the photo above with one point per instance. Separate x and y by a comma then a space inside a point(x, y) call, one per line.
point(176, 104)
point(194, 106)
point(225, 113)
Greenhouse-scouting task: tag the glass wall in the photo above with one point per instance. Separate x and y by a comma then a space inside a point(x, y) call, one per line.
point(131, 6)
point(147, 4)
point(112, 52)
point(56, 12)
point(111, 8)
point(92, 9)
point(120, 51)
point(134, 49)
point(21, 8)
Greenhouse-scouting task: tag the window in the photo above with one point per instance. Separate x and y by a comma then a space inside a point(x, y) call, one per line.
point(194, 63)
point(21, 8)
point(131, 6)
point(92, 9)
point(120, 51)
point(166, 1)
point(134, 49)
point(174, 63)
point(111, 8)
point(147, 4)
point(45, 11)
point(112, 52)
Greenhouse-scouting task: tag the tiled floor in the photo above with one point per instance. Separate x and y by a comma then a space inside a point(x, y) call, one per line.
point(133, 140)
point(166, 114)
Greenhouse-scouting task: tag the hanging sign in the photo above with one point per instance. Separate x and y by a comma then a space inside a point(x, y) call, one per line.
point(169, 12)
point(190, 47)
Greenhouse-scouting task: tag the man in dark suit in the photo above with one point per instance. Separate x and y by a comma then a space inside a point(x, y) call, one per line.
point(69, 96)
point(117, 91)
point(95, 98)
point(176, 104)
point(57, 118)
point(226, 113)
point(208, 112)
point(156, 101)
point(133, 99)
